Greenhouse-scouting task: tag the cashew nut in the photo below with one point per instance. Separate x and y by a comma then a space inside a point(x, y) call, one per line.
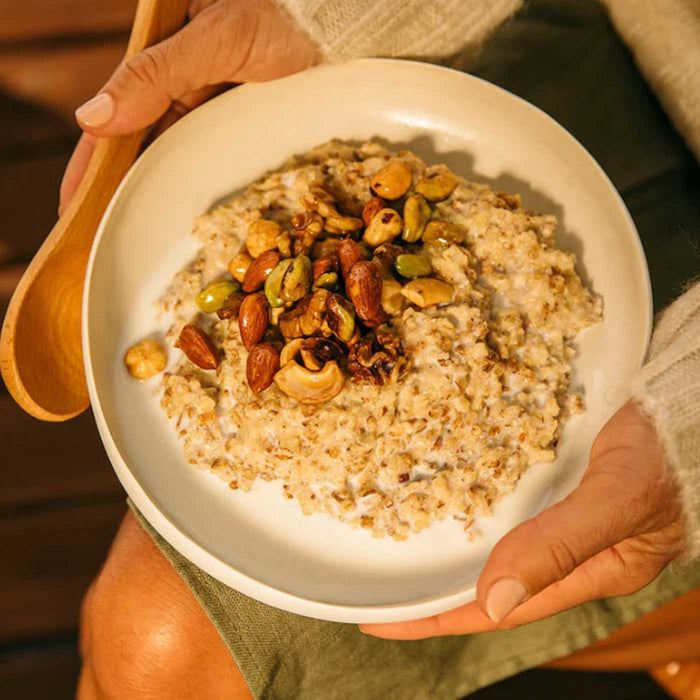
point(290, 351)
point(310, 387)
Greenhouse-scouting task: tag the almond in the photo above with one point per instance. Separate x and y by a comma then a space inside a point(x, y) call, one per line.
point(349, 252)
point(262, 365)
point(259, 270)
point(363, 286)
point(253, 317)
point(381, 317)
point(323, 266)
point(371, 208)
point(199, 347)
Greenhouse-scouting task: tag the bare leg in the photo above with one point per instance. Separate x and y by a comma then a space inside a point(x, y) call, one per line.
point(143, 634)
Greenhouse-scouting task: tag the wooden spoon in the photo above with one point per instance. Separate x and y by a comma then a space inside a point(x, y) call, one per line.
point(40, 348)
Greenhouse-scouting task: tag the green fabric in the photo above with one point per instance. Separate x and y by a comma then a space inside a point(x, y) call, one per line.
point(563, 56)
point(288, 657)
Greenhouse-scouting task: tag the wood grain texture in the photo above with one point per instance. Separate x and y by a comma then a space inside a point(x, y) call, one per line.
point(29, 131)
point(38, 675)
point(32, 19)
point(25, 214)
point(50, 463)
point(40, 353)
point(48, 559)
point(60, 79)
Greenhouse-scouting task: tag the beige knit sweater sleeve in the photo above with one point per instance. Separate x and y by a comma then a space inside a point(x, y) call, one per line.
point(668, 389)
point(345, 29)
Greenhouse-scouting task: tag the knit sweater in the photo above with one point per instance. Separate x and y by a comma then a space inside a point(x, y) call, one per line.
point(662, 35)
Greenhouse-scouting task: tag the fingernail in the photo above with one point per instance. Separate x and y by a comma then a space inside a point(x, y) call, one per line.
point(96, 112)
point(503, 597)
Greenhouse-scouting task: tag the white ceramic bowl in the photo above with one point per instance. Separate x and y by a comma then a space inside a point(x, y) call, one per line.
point(259, 543)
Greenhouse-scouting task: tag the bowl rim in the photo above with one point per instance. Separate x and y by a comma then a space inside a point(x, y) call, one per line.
point(196, 553)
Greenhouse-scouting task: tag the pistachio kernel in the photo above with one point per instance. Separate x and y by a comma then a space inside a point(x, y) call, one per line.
point(442, 233)
point(412, 266)
point(416, 214)
point(213, 296)
point(328, 280)
point(437, 186)
point(273, 283)
point(297, 279)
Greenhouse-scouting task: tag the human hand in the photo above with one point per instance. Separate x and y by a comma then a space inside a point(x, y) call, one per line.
point(611, 536)
point(226, 41)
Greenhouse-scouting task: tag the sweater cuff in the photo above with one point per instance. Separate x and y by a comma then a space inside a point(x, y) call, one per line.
point(346, 29)
point(663, 37)
point(668, 390)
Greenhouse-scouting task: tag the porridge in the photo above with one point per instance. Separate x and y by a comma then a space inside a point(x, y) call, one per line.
point(389, 342)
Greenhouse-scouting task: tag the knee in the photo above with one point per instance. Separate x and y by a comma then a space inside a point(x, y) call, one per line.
point(144, 636)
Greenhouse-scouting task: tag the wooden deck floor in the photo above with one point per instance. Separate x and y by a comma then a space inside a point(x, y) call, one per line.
point(60, 502)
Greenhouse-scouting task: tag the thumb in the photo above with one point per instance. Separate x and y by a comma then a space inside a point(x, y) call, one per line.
point(547, 548)
point(141, 90)
point(226, 42)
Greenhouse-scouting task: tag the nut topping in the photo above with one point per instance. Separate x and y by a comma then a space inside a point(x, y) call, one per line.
point(145, 359)
point(392, 181)
point(261, 366)
point(318, 299)
point(386, 225)
point(262, 236)
point(392, 300)
point(199, 347)
point(312, 318)
point(340, 317)
point(437, 186)
point(416, 213)
point(375, 358)
point(324, 265)
point(363, 286)
point(371, 208)
point(231, 306)
point(213, 296)
point(259, 270)
point(239, 265)
point(253, 318)
point(428, 291)
point(349, 252)
point(412, 266)
point(442, 233)
point(310, 387)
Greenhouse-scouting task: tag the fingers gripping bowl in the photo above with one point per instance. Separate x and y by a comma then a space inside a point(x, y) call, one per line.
point(259, 541)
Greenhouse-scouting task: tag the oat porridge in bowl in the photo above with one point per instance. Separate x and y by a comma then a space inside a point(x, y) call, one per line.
point(388, 341)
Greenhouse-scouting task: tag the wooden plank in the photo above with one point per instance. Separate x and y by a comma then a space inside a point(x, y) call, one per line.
point(48, 559)
point(31, 19)
point(46, 462)
point(30, 130)
point(60, 78)
point(29, 202)
point(37, 675)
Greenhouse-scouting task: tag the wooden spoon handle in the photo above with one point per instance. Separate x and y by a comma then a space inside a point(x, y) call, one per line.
point(155, 20)
point(40, 351)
